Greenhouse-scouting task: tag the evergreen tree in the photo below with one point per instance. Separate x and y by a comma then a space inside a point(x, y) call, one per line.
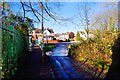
point(111, 24)
point(78, 36)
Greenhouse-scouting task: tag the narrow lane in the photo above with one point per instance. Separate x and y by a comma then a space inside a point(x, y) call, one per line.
point(63, 69)
point(59, 71)
point(62, 64)
point(55, 67)
point(66, 64)
point(60, 50)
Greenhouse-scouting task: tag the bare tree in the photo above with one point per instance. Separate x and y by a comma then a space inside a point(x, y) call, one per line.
point(119, 16)
point(85, 15)
point(109, 14)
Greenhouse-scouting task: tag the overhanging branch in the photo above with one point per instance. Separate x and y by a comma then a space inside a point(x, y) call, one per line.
point(23, 8)
point(33, 11)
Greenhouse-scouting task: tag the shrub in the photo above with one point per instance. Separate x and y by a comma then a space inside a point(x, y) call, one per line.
point(97, 51)
point(49, 47)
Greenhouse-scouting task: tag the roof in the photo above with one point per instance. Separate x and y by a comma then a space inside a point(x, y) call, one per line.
point(37, 30)
point(50, 30)
point(82, 32)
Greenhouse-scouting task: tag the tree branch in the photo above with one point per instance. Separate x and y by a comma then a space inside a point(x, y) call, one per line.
point(33, 11)
point(49, 14)
point(23, 8)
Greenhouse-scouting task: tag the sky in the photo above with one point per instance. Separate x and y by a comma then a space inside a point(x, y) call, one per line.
point(70, 10)
point(64, 0)
point(67, 10)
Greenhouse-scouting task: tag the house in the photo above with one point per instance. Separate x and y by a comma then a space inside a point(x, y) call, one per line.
point(48, 34)
point(71, 36)
point(84, 35)
point(64, 36)
point(56, 36)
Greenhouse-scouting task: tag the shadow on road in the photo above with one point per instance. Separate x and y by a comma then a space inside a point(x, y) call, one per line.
point(34, 68)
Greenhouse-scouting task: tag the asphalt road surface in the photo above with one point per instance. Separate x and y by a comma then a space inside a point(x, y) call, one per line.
point(62, 65)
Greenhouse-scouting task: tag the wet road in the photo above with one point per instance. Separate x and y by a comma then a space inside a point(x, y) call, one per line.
point(62, 64)
point(61, 49)
point(63, 68)
point(57, 66)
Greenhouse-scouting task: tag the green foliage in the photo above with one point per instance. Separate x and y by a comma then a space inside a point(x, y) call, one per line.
point(78, 37)
point(21, 24)
point(7, 6)
point(14, 49)
point(97, 51)
point(49, 47)
point(1, 4)
point(114, 67)
point(111, 24)
point(15, 43)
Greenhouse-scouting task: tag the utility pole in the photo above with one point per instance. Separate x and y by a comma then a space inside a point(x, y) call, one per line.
point(41, 5)
point(119, 16)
